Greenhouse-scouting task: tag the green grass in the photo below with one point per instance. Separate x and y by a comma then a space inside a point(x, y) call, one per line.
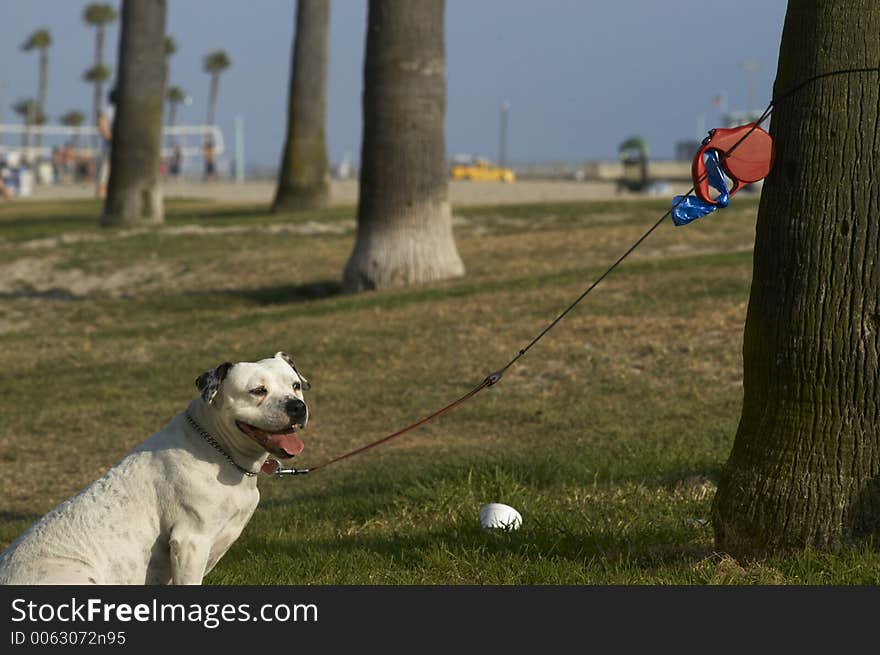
point(608, 436)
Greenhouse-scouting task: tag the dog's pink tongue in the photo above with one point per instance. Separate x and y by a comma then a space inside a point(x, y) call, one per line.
point(288, 442)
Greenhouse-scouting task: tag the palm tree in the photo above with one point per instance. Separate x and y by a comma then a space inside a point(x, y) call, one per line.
point(304, 179)
point(40, 40)
point(73, 118)
point(30, 115)
point(170, 51)
point(802, 473)
point(214, 63)
point(174, 95)
point(404, 231)
point(96, 75)
point(133, 192)
point(98, 15)
point(170, 48)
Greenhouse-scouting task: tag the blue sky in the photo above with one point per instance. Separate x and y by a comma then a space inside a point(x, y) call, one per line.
point(580, 75)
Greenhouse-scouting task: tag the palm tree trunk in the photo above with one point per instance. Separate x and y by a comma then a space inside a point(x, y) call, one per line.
point(805, 463)
point(99, 85)
point(172, 116)
point(133, 194)
point(212, 97)
point(304, 181)
point(43, 91)
point(404, 219)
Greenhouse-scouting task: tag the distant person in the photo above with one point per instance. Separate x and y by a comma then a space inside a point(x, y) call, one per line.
point(4, 190)
point(176, 163)
point(208, 155)
point(84, 167)
point(105, 131)
point(7, 174)
point(56, 164)
point(67, 163)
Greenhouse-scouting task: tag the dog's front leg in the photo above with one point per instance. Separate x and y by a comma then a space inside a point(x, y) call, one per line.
point(189, 557)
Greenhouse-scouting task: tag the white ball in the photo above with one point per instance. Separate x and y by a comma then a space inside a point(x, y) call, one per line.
point(499, 515)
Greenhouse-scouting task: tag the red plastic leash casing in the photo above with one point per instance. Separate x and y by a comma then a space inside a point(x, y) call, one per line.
point(749, 161)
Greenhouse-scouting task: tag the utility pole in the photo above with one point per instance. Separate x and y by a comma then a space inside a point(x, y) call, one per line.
point(502, 138)
point(3, 86)
point(239, 149)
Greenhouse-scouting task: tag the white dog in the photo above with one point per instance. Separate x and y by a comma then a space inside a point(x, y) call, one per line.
point(173, 506)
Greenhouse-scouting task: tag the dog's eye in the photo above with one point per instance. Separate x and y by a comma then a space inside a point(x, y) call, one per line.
point(297, 386)
point(259, 391)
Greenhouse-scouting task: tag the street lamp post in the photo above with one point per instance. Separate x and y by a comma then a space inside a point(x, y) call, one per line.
point(502, 137)
point(751, 68)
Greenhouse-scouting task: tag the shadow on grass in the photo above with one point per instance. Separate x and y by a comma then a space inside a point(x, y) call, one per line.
point(204, 211)
point(361, 494)
point(10, 517)
point(665, 539)
point(286, 293)
point(651, 547)
point(45, 294)
point(46, 224)
point(207, 212)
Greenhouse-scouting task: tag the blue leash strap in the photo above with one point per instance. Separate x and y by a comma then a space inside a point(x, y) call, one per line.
point(689, 208)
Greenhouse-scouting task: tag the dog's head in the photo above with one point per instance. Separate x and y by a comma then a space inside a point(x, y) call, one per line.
point(262, 400)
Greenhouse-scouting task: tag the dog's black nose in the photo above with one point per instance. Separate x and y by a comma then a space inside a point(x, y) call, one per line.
point(296, 410)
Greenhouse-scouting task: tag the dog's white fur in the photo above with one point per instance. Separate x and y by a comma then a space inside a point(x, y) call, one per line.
point(173, 506)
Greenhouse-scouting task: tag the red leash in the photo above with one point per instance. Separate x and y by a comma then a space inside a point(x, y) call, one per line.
point(274, 467)
point(733, 139)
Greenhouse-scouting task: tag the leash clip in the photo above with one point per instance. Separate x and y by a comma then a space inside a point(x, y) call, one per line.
point(494, 378)
point(273, 467)
point(282, 473)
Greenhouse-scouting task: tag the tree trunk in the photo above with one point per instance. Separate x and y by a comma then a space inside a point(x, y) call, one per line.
point(404, 220)
point(25, 135)
point(805, 463)
point(172, 119)
point(167, 78)
point(43, 90)
point(133, 194)
point(212, 97)
point(98, 93)
point(304, 181)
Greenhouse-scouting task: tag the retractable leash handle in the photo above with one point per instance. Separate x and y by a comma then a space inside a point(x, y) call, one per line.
point(745, 156)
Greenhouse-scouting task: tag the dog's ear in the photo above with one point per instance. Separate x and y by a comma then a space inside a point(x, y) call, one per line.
point(208, 383)
point(287, 358)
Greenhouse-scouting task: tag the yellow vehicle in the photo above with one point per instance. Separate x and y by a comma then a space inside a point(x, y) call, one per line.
point(481, 170)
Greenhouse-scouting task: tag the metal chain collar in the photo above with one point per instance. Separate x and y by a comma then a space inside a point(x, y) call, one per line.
point(211, 440)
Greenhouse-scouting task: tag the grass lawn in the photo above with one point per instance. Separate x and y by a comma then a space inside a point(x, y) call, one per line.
point(608, 436)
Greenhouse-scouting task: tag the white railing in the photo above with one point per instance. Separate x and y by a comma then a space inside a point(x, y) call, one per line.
point(190, 138)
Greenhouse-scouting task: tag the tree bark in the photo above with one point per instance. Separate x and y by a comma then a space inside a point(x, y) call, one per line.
point(133, 194)
point(97, 97)
point(212, 97)
point(304, 181)
point(43, 90)
point(805, 465)
point(404, 220)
